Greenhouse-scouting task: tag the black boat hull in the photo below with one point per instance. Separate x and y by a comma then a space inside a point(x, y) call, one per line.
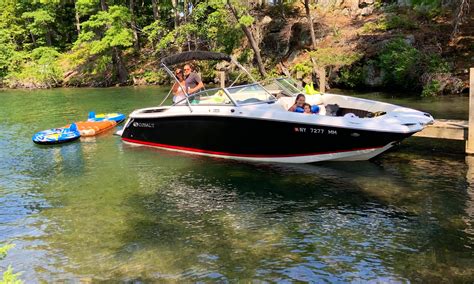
point(258, 139)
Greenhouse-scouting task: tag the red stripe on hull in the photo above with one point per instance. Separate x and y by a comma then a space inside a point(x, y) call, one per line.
point(238, 155)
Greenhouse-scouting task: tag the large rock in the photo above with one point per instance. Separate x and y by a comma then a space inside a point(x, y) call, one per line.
point(266, 20)
point(404, 3)
point(350, 4)
point(346, 12)
point(275, 44)
point(410, 39)
point(367, 11)
point(293, 56)
point(326, 3)
point(442, 83)
point(365, 3)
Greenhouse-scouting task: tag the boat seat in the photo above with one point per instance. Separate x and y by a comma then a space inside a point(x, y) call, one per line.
point(286, 102)
point(314, 99)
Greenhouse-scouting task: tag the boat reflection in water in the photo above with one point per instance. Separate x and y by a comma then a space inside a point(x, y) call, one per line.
point(248, 123)
point(200, 219)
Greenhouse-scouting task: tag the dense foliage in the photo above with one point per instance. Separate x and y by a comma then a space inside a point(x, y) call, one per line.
point(49, 43)
point(40, 40)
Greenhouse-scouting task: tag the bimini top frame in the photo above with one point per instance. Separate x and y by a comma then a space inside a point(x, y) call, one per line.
point(197, 55)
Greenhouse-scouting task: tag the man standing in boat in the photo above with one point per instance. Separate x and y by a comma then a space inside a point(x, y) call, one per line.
point(193, 81)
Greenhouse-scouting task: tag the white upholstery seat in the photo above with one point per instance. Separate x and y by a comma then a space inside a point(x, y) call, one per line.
point(286, 102)
point(314, 99)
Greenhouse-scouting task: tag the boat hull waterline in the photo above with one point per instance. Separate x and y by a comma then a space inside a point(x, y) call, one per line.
point(258, 139)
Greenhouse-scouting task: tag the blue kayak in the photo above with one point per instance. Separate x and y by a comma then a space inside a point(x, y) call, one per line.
point(117, 117)
point(57, 135)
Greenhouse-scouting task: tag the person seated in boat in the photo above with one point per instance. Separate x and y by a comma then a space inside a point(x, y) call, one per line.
point(178, 89)
point(307, 108)
point(193, 81)
point(299, 103)
point(310, 109)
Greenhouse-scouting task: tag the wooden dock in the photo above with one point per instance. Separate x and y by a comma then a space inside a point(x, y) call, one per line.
point(455, 129)
point(446, 129)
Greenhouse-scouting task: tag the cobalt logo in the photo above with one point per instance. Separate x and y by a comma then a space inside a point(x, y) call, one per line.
point(144, 124)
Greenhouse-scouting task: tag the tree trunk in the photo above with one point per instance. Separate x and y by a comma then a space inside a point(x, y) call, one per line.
point(122, 72)
point(176, 19)
point(310, 23)
point(176, 15)
point(103, 5)
point(460, 15)
point(49, 41)
point(155, 10)
point(78, 20)
point(136, 43)
point(322, 79)
point(33, 39)
point(117, 62)
point(320, 72)
point(188, 40)
point(251, 39)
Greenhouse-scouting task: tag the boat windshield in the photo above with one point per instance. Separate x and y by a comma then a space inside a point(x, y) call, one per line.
point(283, 86)
point(250, 94)
point(242, 95)
point(216, 96)
point(289, 84)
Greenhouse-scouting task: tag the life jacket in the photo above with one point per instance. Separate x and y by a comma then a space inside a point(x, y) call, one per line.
point(309, 89)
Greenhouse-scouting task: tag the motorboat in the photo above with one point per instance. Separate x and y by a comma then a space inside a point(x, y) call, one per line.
point(252, 122)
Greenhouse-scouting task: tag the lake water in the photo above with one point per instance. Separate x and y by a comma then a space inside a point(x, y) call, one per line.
point(99, 210)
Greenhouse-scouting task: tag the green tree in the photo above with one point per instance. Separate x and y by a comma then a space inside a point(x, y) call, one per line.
point(7, 49)
point(106, 34)
point(245, 21)
point(12, 25)
point(38, 24)
point(38, 68)
point(214, 28)
point(400, 62)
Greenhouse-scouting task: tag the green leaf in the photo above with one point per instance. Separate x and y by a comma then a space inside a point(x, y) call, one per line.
point(246, 20)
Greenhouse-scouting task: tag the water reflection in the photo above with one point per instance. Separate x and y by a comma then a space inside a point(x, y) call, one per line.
point(206, 219)
point(469, 217)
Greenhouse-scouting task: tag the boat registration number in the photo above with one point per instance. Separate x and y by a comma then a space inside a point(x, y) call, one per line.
point(315, 130)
